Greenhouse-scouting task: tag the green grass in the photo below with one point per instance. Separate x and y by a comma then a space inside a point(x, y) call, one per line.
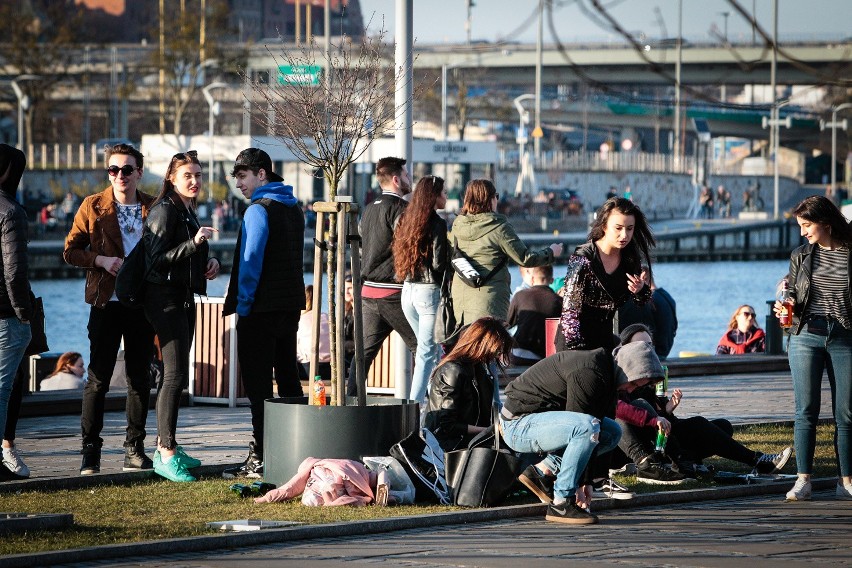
point(160, 509)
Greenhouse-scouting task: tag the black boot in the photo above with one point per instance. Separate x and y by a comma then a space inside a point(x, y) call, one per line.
point(135, 458)
point(252, 467)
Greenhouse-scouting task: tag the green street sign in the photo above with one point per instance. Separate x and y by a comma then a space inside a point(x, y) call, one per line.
point(299, 74)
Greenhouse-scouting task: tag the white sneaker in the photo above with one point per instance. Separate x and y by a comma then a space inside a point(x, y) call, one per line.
point(844, 492)
point(801, 491)
point(12, 460)
point(607, 488)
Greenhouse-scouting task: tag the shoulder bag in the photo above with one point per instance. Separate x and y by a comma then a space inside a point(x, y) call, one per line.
point(465, 270)
point(483, 474)
point(130, 280)
point(446, 326)
point(38, 342)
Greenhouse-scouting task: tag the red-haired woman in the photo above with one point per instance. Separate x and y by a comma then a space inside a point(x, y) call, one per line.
point(421, 258)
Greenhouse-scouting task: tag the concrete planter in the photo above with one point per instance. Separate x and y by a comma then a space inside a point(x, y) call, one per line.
point(295, 430)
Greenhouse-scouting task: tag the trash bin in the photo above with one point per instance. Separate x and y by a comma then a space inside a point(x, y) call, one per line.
point(774, 333)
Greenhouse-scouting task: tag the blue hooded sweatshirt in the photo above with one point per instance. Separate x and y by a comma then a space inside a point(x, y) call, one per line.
point(255, 232)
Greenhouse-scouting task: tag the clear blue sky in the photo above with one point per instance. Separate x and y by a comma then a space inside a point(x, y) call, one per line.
point(441, 21)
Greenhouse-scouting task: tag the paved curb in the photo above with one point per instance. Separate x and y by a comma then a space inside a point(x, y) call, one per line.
point(308, 532)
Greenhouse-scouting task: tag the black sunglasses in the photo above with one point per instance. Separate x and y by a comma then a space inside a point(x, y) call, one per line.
point(126, 170)
point(748, 314)
point(189, 154)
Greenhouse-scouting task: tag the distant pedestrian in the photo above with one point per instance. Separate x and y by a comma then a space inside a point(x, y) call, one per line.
point(267, 291)
point(177, 268)
point(16, 306)
point(528, 311)
point(106, 228)
point(821, 337)
point(744, 334)
point(612, 267)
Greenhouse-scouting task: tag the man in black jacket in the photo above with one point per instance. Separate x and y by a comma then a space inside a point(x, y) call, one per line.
point(564, 406)
point(267, 291)
point(16, 308)
point(381, 309)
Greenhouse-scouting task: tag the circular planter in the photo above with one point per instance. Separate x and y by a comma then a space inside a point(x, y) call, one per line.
point(295, 430)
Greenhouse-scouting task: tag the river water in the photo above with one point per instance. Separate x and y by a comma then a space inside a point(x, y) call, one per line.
point(707, 293)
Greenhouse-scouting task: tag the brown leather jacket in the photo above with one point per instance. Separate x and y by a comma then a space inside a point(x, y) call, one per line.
point(96, 233)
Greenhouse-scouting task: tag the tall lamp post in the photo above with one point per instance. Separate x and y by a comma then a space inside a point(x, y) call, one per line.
point(23, 104)
point(213, 111)
point(774, 122)
point(834, 125)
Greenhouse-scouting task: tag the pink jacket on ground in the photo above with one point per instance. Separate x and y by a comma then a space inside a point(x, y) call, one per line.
point(327, 482)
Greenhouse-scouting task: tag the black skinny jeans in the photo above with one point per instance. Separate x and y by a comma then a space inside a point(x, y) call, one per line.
point(171, 311)
point(380, 316)
point(266, 347)
point(107, 326)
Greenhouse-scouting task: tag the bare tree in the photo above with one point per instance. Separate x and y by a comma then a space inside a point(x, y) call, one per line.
point(36, 39)
point(326, 108)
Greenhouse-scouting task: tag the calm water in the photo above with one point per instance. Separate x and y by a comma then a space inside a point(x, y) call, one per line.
point(707, 293)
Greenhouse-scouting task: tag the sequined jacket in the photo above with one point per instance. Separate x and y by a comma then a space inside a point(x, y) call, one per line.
point(588, 308)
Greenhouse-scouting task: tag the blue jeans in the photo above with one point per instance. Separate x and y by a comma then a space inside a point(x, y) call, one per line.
point(420, 304)
point(810, 355)
point(14, 338)
point(570, 436)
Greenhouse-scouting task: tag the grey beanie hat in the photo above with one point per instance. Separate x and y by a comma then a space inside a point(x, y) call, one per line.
point(635, 361)
point(632, 330)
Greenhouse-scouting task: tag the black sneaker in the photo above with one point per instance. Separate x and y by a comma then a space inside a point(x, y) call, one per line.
point(540, 485)
point(609, 488)
point(772, 463)
point(252, 467)
point(91, 460)
point(7, 474)
point(655, 474)
point(570, 514)
point(135, 458)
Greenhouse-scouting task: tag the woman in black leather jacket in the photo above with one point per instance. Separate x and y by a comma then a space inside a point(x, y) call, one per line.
point(177, 267)
point(421, 260)
point(820, 279)
point(461, 392)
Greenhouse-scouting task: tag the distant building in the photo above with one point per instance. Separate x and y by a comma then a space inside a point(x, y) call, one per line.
point(251, 20)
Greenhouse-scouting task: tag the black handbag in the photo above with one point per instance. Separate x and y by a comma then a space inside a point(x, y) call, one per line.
point(446, 326)
point(130, 280)
point(421, 456)
point(483, 474)
point(38, 342)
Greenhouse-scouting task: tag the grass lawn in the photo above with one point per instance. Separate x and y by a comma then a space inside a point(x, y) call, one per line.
point(160, 509)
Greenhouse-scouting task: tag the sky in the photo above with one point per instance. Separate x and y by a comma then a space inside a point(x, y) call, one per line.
point(443, 21)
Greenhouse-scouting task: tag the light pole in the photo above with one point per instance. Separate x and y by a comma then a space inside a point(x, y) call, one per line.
point(213, 112)
point(725, 15)
point(834, 125)
point(23, 104)
point(773, 122)
point(526, 172)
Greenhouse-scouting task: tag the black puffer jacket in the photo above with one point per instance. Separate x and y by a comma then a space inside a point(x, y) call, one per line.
point(460, 394)
point(15, 291)
point(172, 257)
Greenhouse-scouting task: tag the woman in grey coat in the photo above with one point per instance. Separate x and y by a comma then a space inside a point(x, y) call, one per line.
point(488, 240)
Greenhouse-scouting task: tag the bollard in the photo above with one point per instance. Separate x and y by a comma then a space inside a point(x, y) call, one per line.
point(774, 333)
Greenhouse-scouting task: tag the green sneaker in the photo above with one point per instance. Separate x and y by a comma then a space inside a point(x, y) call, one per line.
point(173, 470)
point(188, 461)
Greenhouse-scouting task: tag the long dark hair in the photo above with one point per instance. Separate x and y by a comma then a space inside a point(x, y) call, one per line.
point(643, 240)
point(412, 238)
point(178, 160)
point(819, 209)
point(486, 340)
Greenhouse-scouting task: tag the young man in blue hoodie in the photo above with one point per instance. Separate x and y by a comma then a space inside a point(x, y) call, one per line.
point(266, 291)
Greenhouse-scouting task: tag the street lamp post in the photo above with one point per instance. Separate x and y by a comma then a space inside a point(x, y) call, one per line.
point(213, 111)
point(774, 122)
point(526, 172)
point(834, 125)
point(23, 104)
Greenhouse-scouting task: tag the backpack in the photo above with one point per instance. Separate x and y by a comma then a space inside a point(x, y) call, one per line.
point(423, 460)
point(130, 280)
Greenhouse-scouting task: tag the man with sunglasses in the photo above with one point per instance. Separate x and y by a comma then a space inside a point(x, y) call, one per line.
point(106, 228)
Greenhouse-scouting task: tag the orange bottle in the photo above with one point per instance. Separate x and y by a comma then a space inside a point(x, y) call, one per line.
point(785, 318)
point(319, 391)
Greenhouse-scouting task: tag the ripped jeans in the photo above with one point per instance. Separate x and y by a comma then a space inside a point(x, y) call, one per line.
point(571, 436)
